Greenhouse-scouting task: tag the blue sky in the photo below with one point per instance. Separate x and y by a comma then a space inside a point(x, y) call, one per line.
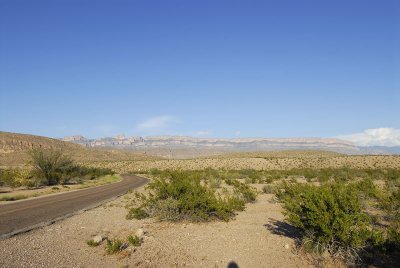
point(203, 68)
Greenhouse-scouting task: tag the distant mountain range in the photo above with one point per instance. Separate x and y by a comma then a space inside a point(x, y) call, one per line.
point(14, 148)
point(236, 144)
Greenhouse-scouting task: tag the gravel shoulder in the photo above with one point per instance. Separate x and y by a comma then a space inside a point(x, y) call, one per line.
point(24, 193)
point(256, 238)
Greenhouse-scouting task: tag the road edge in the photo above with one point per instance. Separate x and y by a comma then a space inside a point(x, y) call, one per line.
point(46, 223)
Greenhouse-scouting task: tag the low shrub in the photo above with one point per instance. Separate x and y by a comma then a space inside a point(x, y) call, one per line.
point(92, 243)
point(245, 192)
point(15, 177)
point(136, 213)
point(268, 189)
point(13, 197)
point(135, 240)
point(114, 246)
point(180, 196)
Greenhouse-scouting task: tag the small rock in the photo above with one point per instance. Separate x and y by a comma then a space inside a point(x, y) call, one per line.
point(139, 233)
point(287, 246)
point(123, 246)
point(98, 238)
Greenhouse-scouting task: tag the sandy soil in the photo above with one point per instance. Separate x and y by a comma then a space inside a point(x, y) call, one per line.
point(256, 238)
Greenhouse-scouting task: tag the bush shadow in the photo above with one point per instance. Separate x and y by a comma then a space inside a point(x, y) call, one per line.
point(282, 228)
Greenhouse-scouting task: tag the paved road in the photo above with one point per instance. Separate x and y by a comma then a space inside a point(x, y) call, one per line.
point(25, 215)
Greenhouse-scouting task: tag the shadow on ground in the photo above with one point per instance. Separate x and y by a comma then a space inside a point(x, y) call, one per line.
point(282, 228)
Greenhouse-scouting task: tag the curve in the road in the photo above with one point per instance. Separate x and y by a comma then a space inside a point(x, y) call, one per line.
point(28, 214)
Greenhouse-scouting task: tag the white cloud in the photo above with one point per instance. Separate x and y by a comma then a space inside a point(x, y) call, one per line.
point(156, 124)
point(203, 133)
point(375, 137)
point(237, 133)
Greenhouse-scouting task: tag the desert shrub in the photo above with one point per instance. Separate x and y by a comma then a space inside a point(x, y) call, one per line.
point(134, 240)
point(245, 192)
point(269, 179)
point(167, 209)
point(182, 196)
point(13, 197)
point(53, 167)
point(392, 207)
point(330, 217)
point(92, 243)
point(367, 189)
point(214, 182)
point(309, 173)
point(136, 213)
point(50, 164)
point(17, 177)
point(251, 175)
point(114, 246)
point(268, 189)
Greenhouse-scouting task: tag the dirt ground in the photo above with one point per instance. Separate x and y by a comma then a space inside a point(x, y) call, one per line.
point(258, 237)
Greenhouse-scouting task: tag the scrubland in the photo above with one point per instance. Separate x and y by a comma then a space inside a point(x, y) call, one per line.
point(257, 163)
point(282, 209)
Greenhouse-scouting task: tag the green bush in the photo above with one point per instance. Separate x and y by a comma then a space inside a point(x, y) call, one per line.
point(245, 192)
point(329, 217)
point(114, 246)
point(92, 243)
point(269, 189)
point(17, 177)
point(135, 240)
point(136, 213)
point(13, 198)
point(50, 165)
point(53, 167)
point(177, 196)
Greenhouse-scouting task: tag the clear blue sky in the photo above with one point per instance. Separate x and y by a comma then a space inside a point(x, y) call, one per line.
point(217, 68)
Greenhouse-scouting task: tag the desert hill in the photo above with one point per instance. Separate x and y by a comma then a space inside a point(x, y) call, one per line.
point(14, 148)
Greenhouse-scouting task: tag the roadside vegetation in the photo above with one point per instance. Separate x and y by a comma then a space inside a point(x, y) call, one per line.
point(48, 168)
point(115, 245)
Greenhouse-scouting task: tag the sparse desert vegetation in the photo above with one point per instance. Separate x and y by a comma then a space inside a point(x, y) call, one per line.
point(350, 214)
point(46, 169)
point(336, 218)
point(338, 208)
point(257, 163)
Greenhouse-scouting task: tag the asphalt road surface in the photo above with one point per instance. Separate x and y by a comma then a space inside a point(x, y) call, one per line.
point(25, 215)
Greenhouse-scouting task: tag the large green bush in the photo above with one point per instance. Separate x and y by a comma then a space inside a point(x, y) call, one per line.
point(50, 165)
point(330, 217)
point(185, 196)
point(54, 167)
point(14, 177)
